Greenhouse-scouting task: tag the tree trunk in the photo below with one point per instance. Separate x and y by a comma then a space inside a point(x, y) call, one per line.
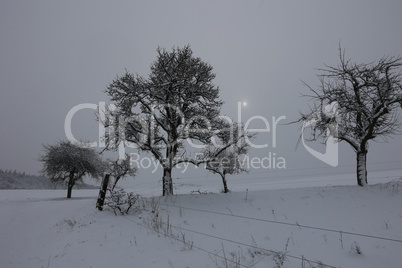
point(225, 186)
point(167, 182)
point(70, 185)
point(115, 182)
point(361, 168)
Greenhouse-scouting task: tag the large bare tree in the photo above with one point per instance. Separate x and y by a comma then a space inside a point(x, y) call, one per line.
point(177, 102)
point(367, 98)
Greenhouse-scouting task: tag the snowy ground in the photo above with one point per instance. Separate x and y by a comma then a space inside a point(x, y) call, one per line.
point(265, 226)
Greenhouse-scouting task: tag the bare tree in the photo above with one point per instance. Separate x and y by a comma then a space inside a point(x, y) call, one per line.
point(118, 169)
point(67, 162)
point(178, 102)
point(367, 97)
point(223, 162)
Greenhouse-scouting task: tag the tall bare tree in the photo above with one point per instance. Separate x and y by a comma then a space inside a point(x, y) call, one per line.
point(178, 102)
point(367, 96)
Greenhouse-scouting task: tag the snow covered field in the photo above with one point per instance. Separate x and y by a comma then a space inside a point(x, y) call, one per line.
point(265, 226)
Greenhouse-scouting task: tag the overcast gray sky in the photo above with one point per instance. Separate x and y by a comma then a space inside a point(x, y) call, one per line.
point(57, 54)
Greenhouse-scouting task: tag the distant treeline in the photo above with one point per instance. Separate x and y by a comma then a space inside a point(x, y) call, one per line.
point(15, 172)
point(19, 180)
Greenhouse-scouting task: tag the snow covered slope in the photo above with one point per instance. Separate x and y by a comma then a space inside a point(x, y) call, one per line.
point(338, 226)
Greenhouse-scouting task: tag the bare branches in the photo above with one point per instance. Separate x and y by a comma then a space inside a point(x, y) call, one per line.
point(367, 96)
point(66, 161)
point(118, 169)
point(176, 102)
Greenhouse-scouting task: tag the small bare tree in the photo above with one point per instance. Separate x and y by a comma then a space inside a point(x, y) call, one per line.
point(118, 169)
point(69, 162)
point(227, 161)
point(367, 98)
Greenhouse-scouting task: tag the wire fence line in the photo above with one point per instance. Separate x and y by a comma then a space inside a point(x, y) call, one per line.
point(182, 241)
point(302, 258)
point(253, 246)
point(287, 223)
